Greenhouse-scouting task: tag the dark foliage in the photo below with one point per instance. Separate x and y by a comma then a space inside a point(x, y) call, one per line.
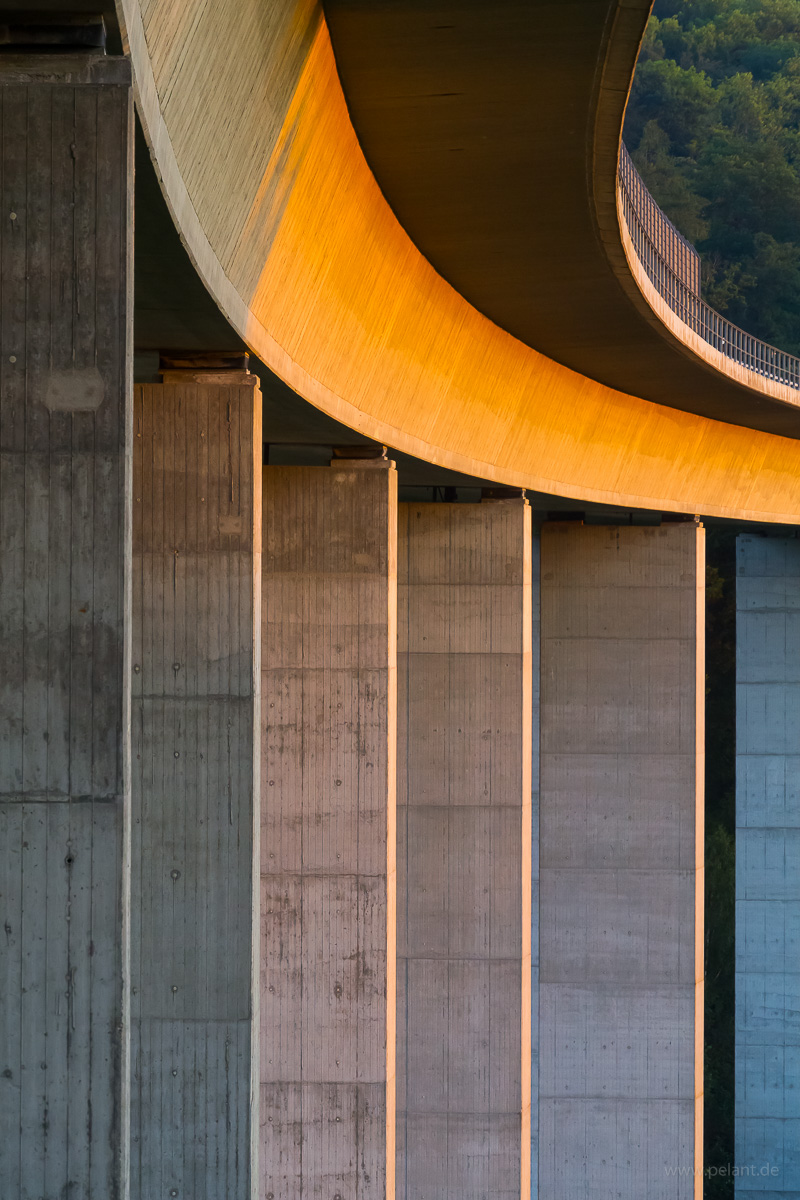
point(720, 858)
point(713, 125)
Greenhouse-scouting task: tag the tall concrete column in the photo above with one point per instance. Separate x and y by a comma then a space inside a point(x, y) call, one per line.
point(464, 851)
point(621, 862)
point(328, 879)
point(196, 608)
point(65, 239)
point(768, 867)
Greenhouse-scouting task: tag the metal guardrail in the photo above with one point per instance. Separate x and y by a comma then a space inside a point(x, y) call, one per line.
point(673, 267)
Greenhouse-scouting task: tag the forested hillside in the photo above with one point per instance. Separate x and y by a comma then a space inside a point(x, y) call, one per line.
point(713, 124)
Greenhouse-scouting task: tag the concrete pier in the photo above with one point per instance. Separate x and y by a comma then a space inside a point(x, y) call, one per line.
point(768, 867)
point(464, 851)
point(621, 862)
point(328, 876)
point(196, 695)
point(65, 239)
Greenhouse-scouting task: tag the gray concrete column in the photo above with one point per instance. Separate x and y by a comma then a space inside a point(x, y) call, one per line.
point(196, 607)
point(621, 862)
point(328, 878)
point(768, 867)
point(65, 238)
point(464, 851)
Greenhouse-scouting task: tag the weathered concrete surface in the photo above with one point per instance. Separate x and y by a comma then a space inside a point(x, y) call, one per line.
point(328, 878)
point(65, 233)
point(196, 608)
point(621, 862)
point(464, 851)
point(768, 866)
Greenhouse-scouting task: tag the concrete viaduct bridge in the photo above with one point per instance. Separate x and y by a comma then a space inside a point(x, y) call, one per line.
point(352, 844)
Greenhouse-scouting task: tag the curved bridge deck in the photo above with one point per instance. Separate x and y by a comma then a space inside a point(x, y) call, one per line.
point(300, 244)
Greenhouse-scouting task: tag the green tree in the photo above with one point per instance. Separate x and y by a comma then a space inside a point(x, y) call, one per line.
point(676, 195)
point(720, 858)
point(713, 124)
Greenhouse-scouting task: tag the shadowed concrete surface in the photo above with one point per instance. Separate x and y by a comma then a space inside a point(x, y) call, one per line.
point(328, 833)
point(464, 850)
point(621, 862)
point(196, 735)
point(768, 866)
point(64, 621)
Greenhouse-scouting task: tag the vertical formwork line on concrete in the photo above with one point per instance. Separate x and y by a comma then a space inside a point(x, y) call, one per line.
point(65, 355)
point(328, 841)
point(621, 861)
point(768, 867)
point(464, 854)
point(196, 682)
point(535, 935)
